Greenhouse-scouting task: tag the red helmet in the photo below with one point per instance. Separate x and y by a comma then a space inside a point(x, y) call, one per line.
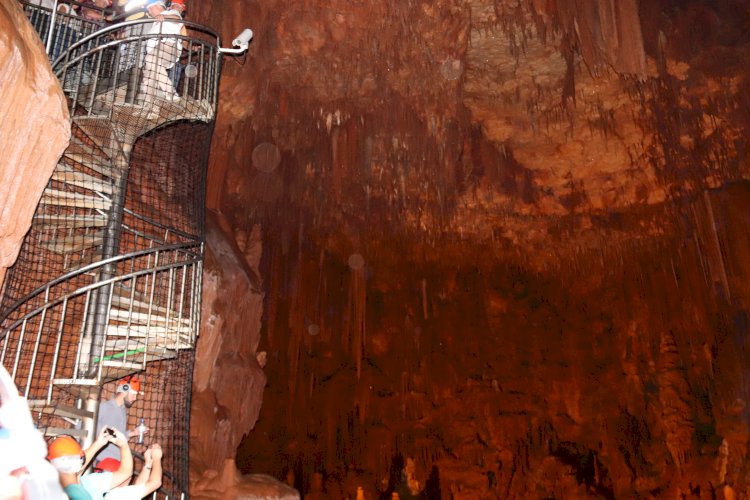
point(109, 464)
point(129, 383)
point(179, 2)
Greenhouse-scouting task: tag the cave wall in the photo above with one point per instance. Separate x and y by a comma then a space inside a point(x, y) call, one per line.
point(623, 376)
point(548, 199)
point(31, 147)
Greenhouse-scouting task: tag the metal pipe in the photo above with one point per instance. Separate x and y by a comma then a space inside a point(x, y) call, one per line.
point(52, 20)
point(56, 357)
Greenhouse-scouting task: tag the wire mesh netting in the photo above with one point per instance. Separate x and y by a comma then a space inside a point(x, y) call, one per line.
point(108, 279)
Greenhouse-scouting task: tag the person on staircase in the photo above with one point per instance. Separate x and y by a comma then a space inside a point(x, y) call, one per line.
point(70, 460)
point(114, 413)
point(162, 53)
point(96, 10)
point(133, 52)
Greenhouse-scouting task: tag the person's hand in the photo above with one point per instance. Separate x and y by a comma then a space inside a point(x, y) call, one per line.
point(119, 438)
point(148, 460)
point(103, 437)
point(156, 451)
point(134, 432)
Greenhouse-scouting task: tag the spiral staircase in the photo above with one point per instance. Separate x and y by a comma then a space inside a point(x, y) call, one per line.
point(108, 280)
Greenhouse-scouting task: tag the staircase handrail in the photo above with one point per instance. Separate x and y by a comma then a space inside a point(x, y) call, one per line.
point(104, 11)
point(119, 26)
point(92, 286)
point(114, 63)
point(160, 225)
point(70, 19)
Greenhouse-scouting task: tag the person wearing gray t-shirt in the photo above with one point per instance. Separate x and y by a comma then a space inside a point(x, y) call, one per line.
point(114, 413)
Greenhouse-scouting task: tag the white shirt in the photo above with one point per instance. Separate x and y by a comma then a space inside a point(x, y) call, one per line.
point(132, 492)
point(48, 4)
point(166, 27)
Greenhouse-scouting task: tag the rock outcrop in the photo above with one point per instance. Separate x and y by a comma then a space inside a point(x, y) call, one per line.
point(30, 147)
point(228, 378)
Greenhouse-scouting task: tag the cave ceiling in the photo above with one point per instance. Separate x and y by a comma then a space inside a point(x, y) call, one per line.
point(542, 127)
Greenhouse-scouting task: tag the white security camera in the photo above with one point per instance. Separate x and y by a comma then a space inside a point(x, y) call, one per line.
point(243, 38)
point(240, 43)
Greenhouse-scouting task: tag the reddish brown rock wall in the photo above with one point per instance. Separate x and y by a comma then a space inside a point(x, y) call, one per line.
point(551, 306)
point(35, 128)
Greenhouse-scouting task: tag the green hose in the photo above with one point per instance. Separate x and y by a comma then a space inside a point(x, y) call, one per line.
point(120, 354)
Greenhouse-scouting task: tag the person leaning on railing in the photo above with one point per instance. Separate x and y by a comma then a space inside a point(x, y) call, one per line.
point(62, 8)
point(162, 53)
point(98, 13)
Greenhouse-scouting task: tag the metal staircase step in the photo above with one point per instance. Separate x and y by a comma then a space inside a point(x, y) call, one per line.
point(77, 384)
point(94, 163)
point(98, 129)
point(114, 365)
point(144, 318)
point(120, 365)
point(138, 342)
point(86, 259)
point(155, 351)
point(89, 150)
point(78, 146)
point(73, 177)
point(61, 431)
point(70, 221)
point(74, 243)
point(59, 410)
point(82, 387)
point(143, 331)
point(121, 300)
point(68, 199)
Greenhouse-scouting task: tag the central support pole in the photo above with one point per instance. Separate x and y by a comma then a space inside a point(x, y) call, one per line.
point(96, 324)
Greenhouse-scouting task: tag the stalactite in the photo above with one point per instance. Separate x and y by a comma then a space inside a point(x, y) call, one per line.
point(717, 245)
point(360, 303)
point(274, 293)
point(321, 268)
point(296, 318)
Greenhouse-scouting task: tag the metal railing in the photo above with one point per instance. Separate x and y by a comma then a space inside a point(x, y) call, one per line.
point(126, 64)
point(161, 493)
point(157, 290)
point(60, 29)
point(103, 65)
